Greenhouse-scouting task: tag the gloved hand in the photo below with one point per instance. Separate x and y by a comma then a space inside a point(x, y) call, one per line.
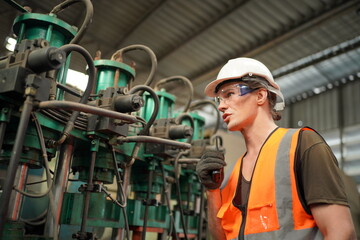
point(211, 160)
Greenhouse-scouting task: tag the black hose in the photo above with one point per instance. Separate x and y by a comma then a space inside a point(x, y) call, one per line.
point(49, 181)
point(168, 203)
point(145, 130)
point(91, 69)
point(186, 81)
point(14, 160)
point(88, 16)
point(118, 55)
point(204, 102)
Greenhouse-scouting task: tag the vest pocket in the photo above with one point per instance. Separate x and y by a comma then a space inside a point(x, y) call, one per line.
point(261, 219)
point(230, 220)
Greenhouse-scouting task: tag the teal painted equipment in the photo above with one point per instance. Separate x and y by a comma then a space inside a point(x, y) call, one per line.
point(33, 25)
point(113, 74)
point(48, 27)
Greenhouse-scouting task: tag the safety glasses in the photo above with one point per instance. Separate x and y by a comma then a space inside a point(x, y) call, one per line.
point(231, 92)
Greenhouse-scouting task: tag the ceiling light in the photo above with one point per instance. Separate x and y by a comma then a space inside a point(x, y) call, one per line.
point(10, 43)
point(77, 79)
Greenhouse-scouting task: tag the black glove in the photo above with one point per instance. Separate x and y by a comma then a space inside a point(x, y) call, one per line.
point(210, 169)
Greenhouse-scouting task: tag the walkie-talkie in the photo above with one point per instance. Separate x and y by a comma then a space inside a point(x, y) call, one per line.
point(217, 175)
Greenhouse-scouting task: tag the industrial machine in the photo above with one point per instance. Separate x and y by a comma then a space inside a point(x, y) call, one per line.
point(114, 161)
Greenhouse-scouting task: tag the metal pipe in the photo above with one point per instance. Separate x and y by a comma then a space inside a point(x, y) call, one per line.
point(188, 203)
point(60, 181)
point(168, 203)
point(86, 108)
point(68, 89)
point(177, 184)
point(148, 195)
point(2, 133)
point(150, 139)
point(188, 161)
point(5, 116)
point(17, 198)
point(202, 204)
point(14, 160)
point(89, 188)
point(319, 57)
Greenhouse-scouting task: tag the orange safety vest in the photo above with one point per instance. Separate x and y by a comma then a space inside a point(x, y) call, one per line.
point(274, 210)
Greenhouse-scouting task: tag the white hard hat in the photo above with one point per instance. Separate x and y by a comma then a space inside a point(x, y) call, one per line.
point(241, 67)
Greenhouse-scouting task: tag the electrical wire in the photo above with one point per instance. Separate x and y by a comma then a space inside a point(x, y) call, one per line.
point(35, 223)
point(120, 189)
point(38, 182)
point(120, 193)
point(36, 220)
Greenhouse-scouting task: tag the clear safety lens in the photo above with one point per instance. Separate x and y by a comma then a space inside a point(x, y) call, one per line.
point(228, 94)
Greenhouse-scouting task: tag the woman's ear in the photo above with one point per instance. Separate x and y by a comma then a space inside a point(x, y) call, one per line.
point(262, 96)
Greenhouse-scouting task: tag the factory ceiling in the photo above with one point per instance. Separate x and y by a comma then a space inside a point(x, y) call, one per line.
point(307, 44)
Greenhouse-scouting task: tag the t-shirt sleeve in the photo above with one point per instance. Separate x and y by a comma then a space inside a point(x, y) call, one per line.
point(319, 172)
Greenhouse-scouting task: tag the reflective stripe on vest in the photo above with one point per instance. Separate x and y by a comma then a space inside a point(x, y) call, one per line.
point(274, 209)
